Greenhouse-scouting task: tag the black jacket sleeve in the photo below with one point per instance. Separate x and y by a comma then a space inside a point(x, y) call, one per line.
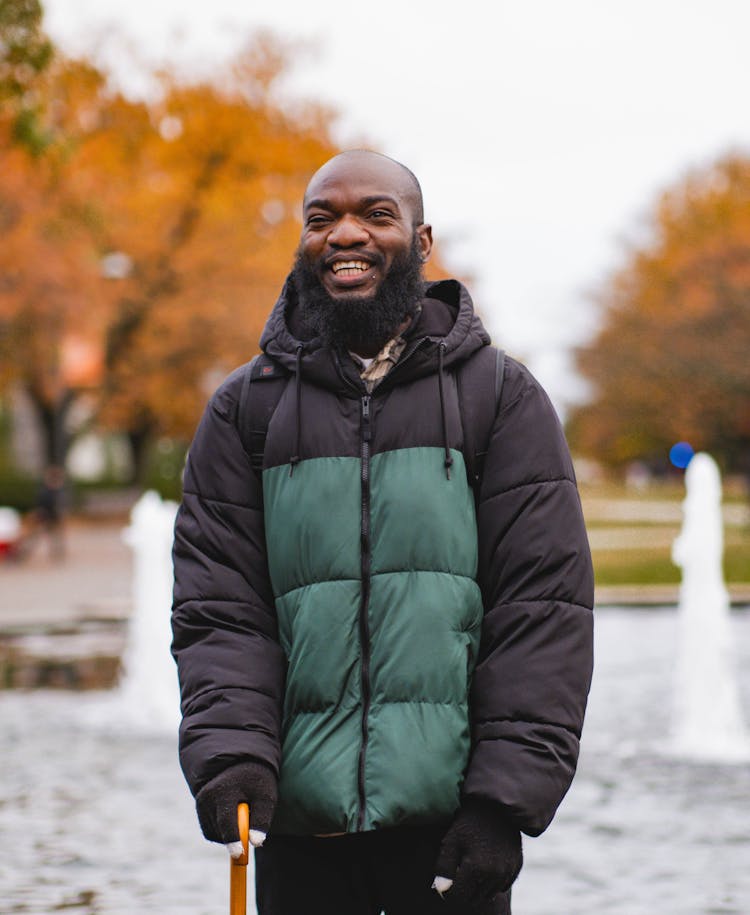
point(535, 662)
point(230, 664)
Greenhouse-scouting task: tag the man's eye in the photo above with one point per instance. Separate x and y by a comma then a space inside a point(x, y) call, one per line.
point(317, 220)
point(380, 214)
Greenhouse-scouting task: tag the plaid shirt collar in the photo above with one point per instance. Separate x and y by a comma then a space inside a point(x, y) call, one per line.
point(388, 356)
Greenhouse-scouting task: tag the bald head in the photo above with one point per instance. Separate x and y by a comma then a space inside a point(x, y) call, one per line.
point(363, 164)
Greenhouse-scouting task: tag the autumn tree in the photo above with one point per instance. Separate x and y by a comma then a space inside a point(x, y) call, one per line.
point(141, 249)
point(40, 247)
point(671, 360)
point(220, 183)
point(53, 301)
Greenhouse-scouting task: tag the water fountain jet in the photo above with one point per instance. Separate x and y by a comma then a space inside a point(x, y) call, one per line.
point(148, 694)
point(709, 723)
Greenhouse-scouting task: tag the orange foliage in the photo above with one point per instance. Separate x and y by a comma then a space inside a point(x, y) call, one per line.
point(671, 361)
point(157, 234)
point(149, 238)
point(49, 276)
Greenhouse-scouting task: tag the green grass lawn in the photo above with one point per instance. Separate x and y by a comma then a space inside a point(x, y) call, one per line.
point(637, 551)
point(655, 567)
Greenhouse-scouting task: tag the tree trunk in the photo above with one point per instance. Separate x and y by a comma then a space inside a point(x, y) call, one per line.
point(140, 438)
point(52, 416)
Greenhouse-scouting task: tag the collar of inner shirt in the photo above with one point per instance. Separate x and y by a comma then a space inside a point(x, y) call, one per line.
point(371, 369)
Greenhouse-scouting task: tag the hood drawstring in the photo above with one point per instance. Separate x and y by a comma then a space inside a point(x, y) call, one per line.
point(295, 458)
point(448, 459)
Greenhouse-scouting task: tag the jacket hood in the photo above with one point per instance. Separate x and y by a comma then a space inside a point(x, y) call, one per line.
point(447, 320)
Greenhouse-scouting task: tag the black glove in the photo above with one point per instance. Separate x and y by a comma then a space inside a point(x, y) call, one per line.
point(481, 853)
point(250, 782)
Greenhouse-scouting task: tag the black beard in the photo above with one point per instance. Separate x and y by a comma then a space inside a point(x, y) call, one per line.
point(360, 324)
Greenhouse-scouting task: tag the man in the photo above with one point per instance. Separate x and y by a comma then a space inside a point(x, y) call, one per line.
point(388, 666)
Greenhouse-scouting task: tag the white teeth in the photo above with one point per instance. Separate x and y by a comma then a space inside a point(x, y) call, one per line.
point(347, 266)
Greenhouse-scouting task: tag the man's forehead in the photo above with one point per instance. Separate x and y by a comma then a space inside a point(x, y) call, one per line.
point(363, 177)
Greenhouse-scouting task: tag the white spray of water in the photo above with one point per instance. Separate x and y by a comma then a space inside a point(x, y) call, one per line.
point(708, 715)
point(148, 695)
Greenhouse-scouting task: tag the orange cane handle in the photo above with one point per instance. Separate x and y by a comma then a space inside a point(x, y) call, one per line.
point(238, 866)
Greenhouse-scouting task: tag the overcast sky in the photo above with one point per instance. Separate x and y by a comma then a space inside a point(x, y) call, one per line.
point(541, 130)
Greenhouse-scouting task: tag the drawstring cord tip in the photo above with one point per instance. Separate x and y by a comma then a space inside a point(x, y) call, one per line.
point(293, 461)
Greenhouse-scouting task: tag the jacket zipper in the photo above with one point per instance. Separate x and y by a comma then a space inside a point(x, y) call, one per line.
point(364, 626)
point(365, 549)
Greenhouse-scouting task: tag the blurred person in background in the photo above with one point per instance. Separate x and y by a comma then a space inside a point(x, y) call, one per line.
point(383, 588)
point(46, 519)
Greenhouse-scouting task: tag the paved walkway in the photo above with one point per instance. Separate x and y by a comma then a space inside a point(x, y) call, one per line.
point(658, 595)
point(91, 581)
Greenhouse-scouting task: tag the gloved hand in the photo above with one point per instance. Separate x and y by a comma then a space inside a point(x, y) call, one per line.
point(250, 782)
point(480, 857)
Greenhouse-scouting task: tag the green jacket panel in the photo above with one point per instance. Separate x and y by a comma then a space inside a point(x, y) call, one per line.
point(411, 499)
point(319, 634)
point(312, 522)
point(380, 647)
point(318, 783)
point(416, 755)
point(424, 633)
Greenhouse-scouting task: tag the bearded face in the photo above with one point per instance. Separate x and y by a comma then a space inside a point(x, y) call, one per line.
point(361, 324)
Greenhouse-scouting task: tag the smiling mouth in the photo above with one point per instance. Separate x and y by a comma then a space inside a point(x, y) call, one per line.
point(349, 268)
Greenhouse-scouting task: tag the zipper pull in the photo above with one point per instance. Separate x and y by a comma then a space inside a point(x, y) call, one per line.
point(366, 417)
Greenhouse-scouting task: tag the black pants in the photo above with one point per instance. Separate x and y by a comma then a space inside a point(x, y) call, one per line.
point(388, 870)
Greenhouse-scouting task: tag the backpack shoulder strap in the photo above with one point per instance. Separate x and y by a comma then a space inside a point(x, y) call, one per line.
point(262, 386)
point(480, 385)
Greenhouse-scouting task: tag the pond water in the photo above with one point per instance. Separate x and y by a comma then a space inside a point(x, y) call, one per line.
point(95, 818)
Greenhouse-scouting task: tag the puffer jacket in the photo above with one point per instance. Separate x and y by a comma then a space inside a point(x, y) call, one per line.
point(350, 618)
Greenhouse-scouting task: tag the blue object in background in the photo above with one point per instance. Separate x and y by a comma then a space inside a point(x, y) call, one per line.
point(681, 454)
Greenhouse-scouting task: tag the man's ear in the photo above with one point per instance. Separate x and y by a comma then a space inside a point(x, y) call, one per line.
point(424, 236)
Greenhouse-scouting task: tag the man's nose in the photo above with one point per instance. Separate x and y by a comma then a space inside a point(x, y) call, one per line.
point(348, 232)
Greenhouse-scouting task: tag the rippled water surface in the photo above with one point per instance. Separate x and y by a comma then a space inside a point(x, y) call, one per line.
point(93, 820)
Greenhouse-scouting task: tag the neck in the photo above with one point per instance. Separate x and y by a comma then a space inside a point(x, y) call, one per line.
point(370, 351)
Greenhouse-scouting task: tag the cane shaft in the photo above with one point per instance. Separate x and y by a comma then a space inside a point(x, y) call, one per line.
point(238, 866)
